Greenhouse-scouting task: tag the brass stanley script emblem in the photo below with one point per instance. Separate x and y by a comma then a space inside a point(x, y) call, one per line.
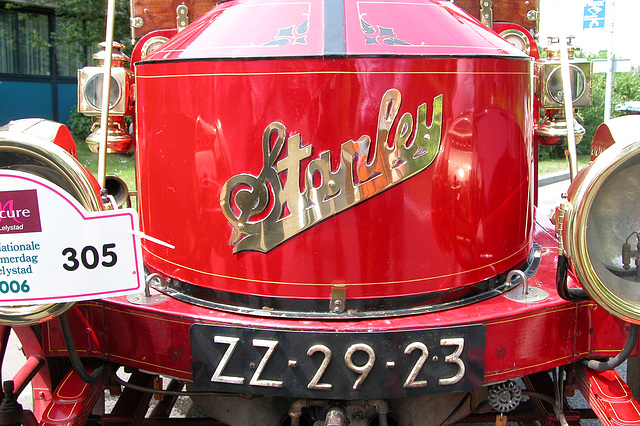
point(267, 209)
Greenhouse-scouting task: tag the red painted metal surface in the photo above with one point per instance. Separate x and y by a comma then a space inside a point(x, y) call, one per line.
point(521, 338)
point(464, 219)
point(41, 383)
point(27, 372)
point(72, 401)
point(253, 29)
point(609, 397)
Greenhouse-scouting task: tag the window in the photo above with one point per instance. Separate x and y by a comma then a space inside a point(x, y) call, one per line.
point(8, 42)
point(37, 69)
point(69, 56)
point(25, 42)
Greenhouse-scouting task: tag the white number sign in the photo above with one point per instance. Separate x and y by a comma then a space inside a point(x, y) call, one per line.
point(53, 250)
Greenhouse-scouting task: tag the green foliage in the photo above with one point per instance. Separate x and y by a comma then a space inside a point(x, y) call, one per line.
point(560, 164)
point(546, 152)
point(81, 24)
point(625, 87)
point(85, 21)
point(80, 124)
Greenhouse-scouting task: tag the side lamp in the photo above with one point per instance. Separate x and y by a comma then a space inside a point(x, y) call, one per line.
point(549, 90)
point(90, 83)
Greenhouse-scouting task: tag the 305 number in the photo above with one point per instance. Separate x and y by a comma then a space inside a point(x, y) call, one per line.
point(89, 257)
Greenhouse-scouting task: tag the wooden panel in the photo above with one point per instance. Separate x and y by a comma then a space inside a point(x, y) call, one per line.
point(503, 10)
point(161, 14)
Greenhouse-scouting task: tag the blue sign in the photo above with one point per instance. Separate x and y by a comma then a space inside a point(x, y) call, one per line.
point(594, 14)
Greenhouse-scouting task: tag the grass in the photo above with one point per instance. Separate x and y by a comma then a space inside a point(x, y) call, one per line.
point(559, 165)
point(121, 165)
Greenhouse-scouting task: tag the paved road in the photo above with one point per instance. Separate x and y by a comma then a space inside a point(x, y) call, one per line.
point(549, 196)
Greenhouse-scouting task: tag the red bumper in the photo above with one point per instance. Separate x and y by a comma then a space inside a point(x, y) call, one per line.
point(521, 338)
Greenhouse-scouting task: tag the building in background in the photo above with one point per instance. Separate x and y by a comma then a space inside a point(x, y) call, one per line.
point(37, 73)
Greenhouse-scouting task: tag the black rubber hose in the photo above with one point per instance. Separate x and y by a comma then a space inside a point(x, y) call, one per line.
point(618, 359)
point(76, 362)
point(569, 294)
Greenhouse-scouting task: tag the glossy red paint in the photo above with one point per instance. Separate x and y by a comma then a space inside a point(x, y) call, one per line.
point(72, 401)
point(204, 101)
point(41, 383)
point(464, 219)
point(521, 338)
point(609, 396)
point(253, 29)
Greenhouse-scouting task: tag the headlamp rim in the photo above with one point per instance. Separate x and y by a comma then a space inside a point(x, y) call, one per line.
point(582, 194)
point(512, 32)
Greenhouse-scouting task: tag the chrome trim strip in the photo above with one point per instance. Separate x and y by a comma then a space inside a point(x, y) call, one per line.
point(412, 305)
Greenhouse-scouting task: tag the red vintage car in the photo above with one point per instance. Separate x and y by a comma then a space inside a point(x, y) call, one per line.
point(335, 224)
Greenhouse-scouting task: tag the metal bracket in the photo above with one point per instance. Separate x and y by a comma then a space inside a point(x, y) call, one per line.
point(147, 298)
point(182, 17)
point(486, 13)
point(338, 299)
point(528, 294)
point(137, 22)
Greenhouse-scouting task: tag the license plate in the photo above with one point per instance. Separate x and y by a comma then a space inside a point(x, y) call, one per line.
point(337, 365)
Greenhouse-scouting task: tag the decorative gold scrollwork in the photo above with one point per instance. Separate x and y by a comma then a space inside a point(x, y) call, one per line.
point(270, 208)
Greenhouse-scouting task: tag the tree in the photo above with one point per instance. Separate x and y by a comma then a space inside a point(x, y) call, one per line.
point(85, 22)
point(625, 87)
point(83, 27)
point(80, 25)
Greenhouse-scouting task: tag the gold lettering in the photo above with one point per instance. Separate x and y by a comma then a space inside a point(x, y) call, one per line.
point(264, 212)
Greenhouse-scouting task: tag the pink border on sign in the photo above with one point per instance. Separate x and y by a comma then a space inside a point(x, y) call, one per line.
point(81, 212)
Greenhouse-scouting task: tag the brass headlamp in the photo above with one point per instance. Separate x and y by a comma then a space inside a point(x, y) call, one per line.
point(600, 223)
point(90, 85)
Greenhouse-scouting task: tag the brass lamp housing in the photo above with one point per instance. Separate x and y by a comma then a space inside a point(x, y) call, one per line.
point(548, 74)
point(600, 216)
point(549, 89)
point(90, 81)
